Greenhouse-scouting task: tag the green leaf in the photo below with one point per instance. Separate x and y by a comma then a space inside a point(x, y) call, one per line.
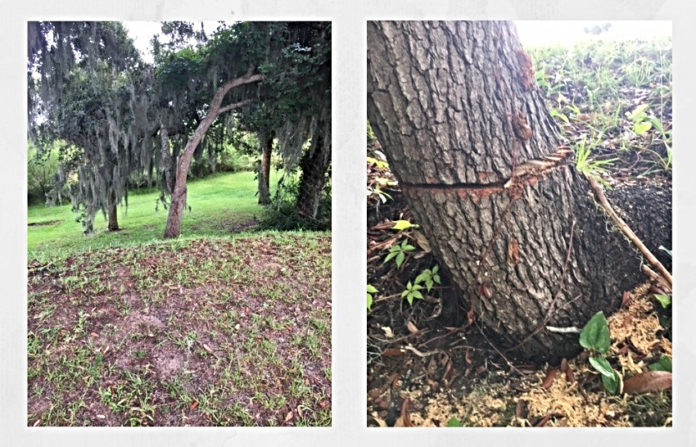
point(638, 113)
point(611, 383)
point(454, 422)
point(595, 334)
point(390, 256)
point(664, 300)
point(371, 289)
point(403, 225)
point(602, 365)
point(407, 290)
point(400, 259)
point(436, 269)
point(642, 127)
point(664, 364)
point(405, 246)
point(424, 275)
point(417, 294)
point(409, 298)
point(428, 284)
point(369, 302)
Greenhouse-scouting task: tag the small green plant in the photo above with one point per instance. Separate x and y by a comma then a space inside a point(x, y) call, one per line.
point(595, 337)
point(585, 164)
point(454, 422)
point(664, 300)
point(371, 291)
point(411, 292)
point(430, 277)
point(398, 252)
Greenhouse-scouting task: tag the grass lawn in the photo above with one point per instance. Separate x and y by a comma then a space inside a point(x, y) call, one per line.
point(220, 205)
point(216, 328)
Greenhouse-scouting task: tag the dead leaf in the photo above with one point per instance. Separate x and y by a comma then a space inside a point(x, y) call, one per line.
point(194, 405)
point(648, 381)
point(393, 352)
point(387, 331)
point(412, 328)
point(421, 241)
point(289, 416)
point(550, 376)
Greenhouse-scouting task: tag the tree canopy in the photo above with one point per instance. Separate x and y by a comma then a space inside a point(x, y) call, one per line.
point(119, 116)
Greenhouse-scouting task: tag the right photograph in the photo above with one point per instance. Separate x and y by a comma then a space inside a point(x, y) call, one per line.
point(519, 223)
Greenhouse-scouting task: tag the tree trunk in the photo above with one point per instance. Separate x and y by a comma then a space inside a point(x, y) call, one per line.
point(112, 211)
point(468, 136)
point(178, 197)
point(314, 164)
point(266, 142)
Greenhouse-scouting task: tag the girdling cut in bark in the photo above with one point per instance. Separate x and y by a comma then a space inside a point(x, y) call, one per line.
point(470, 140)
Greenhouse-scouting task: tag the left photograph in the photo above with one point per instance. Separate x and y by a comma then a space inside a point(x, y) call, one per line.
point(179, 223)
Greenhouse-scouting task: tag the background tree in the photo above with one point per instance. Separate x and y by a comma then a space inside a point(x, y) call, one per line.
point(86, 88)
point(456, 109)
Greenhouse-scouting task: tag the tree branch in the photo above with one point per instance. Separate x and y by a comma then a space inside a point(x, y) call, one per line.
point(236, 105)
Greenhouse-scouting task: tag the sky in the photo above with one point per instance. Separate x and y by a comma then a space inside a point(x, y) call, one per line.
point(568, 32)
point(531, 32)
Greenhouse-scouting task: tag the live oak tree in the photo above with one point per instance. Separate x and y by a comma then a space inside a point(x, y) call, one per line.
point(228, 65)
point(479, 159)
point(85, 89)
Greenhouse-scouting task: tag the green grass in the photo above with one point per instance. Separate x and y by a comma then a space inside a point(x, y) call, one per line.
point(218, 203)
point(613, 102)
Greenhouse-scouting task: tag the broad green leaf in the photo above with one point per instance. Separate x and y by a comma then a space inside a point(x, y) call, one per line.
point(417, 294)
point(409, 298)
point(428, 284)
point(403, 225)
point(369, 302)
point(602, 365)
point(371, 289)
point(423, 276)
point(436, 269)
point(400, 259)
point(611, 383)
point(390, 256)
point(405, 246)
point(642, 127)
point(595, 334)
point(664, 300)
point(664, 364)
point(454, 422)
point(407, 290)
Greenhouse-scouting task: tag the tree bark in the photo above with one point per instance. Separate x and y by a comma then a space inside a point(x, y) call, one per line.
point(178, 197)
point(112, 211)
point(266, 142)
point(314, 164)
point(456, 110)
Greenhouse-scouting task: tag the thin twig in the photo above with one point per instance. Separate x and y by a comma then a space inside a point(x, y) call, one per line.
point(626, 229)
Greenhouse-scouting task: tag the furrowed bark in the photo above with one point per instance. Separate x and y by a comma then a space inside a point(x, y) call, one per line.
point(455, 108)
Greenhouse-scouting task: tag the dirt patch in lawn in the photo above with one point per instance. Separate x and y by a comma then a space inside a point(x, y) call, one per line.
point(208, 332)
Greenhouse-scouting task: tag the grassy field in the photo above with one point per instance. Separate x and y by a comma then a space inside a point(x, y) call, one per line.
point(220, 204)
point(218, 327)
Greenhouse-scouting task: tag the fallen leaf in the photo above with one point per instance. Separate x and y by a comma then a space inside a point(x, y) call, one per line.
point(412, 328)
point(194, 405)
point(387, 331)
point(550, 376)
point(648, 381)
point(289, 416)
point(393, 352)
